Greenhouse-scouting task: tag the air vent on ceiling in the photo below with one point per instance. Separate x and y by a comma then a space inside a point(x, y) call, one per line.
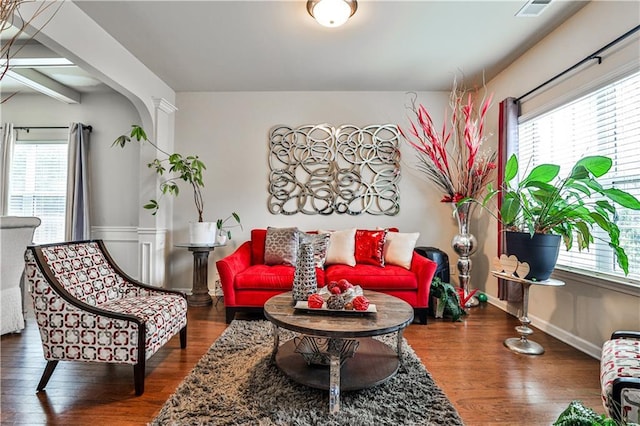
point(533, 8)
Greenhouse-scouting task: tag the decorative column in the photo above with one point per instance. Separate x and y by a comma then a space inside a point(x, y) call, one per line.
point(153, 230)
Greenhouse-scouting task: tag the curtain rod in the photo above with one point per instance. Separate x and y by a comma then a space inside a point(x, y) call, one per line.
point(27, 128)
point(593, 56)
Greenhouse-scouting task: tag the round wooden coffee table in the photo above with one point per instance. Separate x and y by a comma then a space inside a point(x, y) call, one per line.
point(372, 363)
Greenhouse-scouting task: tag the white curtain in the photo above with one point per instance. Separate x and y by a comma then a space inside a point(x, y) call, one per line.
point(6, 152)
point(77, 225)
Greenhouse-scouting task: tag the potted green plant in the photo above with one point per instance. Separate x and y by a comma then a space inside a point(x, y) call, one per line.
point(543, 206)
point(224, 231)
point(447, 300)
point(187, 168)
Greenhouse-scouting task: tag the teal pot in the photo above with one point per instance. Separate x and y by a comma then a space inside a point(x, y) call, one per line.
point(540, 252)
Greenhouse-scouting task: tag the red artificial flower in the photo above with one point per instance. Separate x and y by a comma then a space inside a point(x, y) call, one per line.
point(452, 159)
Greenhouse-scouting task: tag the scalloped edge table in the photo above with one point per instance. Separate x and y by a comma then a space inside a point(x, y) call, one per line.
point(522, 344)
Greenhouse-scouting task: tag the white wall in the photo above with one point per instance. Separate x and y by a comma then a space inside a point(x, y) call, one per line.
point(230, 132)
point(114, 171)
point(580, 313)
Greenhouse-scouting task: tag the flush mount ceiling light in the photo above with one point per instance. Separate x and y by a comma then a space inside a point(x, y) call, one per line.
point(331, 13)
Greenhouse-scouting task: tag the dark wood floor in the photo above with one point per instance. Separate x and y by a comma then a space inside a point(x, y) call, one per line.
point(488, 384)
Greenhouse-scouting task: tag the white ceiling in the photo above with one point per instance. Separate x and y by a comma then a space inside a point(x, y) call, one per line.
point(271, 45)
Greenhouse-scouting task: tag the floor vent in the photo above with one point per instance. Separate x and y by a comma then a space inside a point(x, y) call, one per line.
point(533, 8)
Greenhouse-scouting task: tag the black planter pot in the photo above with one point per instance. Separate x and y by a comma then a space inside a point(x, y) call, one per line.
point(540, 252)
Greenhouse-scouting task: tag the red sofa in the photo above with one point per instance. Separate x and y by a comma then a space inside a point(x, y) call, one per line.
point(247, 283)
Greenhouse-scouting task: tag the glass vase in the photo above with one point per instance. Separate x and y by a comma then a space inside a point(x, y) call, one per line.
point(464, 244)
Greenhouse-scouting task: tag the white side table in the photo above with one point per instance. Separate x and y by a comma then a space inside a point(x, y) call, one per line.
point(521, 344)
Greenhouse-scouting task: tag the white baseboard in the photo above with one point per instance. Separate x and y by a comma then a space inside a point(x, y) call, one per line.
point(552, 330)
point(216, 291)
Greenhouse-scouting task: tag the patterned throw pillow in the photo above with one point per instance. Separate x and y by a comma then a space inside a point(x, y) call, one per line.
point(281, 246)
point(398, 249)
point(370, 247)
point(320, 245)
point(341, 247)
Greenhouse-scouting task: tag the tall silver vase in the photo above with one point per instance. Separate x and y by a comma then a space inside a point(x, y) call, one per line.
point(464, 244)
point(304, 278)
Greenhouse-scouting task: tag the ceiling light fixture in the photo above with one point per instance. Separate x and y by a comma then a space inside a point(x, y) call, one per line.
point(331, 13)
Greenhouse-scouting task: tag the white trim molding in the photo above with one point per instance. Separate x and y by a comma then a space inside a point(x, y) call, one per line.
point(151, 255)
point(164, 105)
point(552, 330)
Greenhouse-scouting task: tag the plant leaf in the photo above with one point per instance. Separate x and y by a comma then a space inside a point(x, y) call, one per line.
point(138, 133)
point(543, 173)
point(511, 168)
point(121, 140)
point(597, 165)
point(510, 208)
point(623, 198)
point(623, 260)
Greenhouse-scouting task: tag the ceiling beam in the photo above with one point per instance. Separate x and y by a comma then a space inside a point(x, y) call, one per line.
point(44, 84)
point(37, 62)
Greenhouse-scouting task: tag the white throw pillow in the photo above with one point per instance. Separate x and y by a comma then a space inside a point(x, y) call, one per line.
point(398, 248)
point(342, 247)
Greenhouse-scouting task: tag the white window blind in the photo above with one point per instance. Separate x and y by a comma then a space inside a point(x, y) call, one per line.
point(605, 122)
point(38, 186)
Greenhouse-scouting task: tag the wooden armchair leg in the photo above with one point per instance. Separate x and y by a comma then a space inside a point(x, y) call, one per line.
point(48, 371)
point(138, 376)
point(183, 337)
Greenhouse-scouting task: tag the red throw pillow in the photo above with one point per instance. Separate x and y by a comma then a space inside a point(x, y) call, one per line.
point(370, 247)
point(258, 237)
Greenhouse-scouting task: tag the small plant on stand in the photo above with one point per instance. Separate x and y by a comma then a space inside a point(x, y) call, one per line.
point(224, 231)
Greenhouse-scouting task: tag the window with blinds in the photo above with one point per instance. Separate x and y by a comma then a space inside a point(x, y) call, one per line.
point(38, 186)
point(605, 122)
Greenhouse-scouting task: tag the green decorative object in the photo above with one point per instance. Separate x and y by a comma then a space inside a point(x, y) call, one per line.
point(482, 297)
point(447, 295)
point(576, 414)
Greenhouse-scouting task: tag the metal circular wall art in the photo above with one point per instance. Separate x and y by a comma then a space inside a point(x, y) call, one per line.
point(318, 169)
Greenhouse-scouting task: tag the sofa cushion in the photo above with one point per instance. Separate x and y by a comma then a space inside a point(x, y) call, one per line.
point(320, 244)
point(370, 277)
point(398, 248)
point(341, 247)
point(281, 246)
point(369, 249)
point(258, 237)
point(260, 277)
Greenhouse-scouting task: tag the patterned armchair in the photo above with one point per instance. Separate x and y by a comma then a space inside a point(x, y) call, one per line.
point(88, 309)
point(620, 376)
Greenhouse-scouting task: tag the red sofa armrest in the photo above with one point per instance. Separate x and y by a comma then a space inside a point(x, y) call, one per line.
point(424, 269)
point(230, 266)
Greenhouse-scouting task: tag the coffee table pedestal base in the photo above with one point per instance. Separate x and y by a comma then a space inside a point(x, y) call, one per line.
point(372, 364)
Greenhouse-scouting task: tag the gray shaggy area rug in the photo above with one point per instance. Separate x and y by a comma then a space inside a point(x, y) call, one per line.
point(235, 383)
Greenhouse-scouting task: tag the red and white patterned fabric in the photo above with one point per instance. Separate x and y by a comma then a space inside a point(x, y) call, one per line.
point(621, 358)
point(69, 332)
